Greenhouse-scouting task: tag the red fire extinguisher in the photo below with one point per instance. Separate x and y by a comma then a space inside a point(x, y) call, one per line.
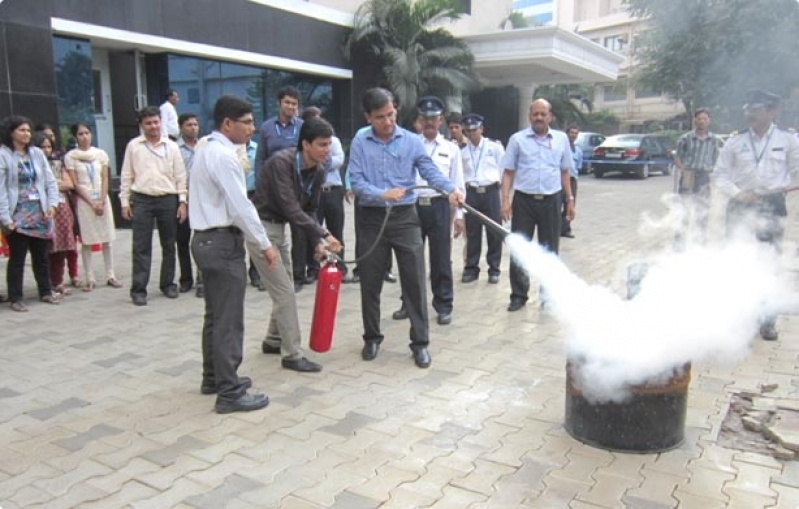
point(324, 311)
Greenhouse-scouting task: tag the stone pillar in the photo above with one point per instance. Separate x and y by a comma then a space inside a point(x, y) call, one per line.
point(525, 98)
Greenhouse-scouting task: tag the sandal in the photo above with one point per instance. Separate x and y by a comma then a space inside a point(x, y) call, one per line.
point(63, 290)
point(114, 282)
point(19, 307)
point(89, 286)
point(76, 283)
point(50, 299)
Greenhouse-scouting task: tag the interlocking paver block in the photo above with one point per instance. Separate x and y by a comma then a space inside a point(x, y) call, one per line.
point(324, 492)
point(271, 494)
point(379, 486)
point(118, 359)
point(130, 492)
point(633, 502)
point(790, 475)
point(217, 473)
point(581, 467)
point(60, 485)
point(658, 487)
point(741, 499)
point(5, 392)
point(707, 482)
point(690, 501)
point(608, 490)
point(233, 486)
point(44, 414)
point(80, 440)
point(752, 479)
point(102, 340)
point(483, 477)
point(167, 455)
point(349, 425)
point(186, 366)
point(349, 500)
point(178, 492)
point(558, 492)
point(29, 496)
point(162, 478)
point(457, 498)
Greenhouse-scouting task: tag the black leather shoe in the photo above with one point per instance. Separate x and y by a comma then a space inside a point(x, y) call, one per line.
point(356, 278)
point(267, 348)
point(297, 287)
point(261, 286)
point(302, 365)
point(139, 299)
point(400, 314)
point(185, 287)
point(444, 318)
point(255, 282)
point(468, 278)
point(516, 304)
point(310, 279)
point(369, 351)
point(199, 292)
point(390, 277)
point(769, 332)
point(568, 235)
point(246, 403)
point(210, 388)
point(171, 292)
point(493, 279)
point(421, 357)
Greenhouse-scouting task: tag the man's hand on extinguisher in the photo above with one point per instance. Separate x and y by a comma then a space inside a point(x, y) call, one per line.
point(270, 255)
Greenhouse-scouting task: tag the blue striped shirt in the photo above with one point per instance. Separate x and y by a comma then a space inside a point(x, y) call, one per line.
point(377, 166)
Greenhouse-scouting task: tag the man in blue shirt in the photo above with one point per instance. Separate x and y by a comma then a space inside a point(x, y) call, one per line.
point(537, 165)
point(577, 159)
point(384, 161)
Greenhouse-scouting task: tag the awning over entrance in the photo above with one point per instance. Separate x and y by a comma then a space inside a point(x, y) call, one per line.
point(541, 55)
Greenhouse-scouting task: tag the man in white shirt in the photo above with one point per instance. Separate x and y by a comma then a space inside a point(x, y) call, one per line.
point(755, 169)
point(482, 171)
point(169, 116)
point(223, 217)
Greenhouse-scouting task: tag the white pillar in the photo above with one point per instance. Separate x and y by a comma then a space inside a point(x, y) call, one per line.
point(525, 98)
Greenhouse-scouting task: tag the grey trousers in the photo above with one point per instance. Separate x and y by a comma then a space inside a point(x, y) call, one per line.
point(284, 322)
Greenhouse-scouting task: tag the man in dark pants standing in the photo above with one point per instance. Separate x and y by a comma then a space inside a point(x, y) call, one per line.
point(537, 165)
point(482, 171)
point(384, 160)
point(434, 210)
point(577, 162)
point(153, 188)
point(223, 217)
point(189, 131)
point(754, 169)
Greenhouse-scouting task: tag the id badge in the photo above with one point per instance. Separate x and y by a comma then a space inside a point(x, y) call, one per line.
point(33, 196)
point(94, 195)
point(61, 200)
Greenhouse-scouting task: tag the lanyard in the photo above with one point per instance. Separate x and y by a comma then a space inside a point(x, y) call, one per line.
point(476, 165)
point(306, 187)
point(153, 152)
point(26, 168)
point(280, 133)
point(433, 150)
point(89, 166)
point(759, 157)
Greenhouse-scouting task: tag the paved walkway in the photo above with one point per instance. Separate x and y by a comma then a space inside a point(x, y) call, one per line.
point(100, 404)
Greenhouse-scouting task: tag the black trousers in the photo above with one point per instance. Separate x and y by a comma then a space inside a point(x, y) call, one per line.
point(359, 246)
point(220, 255)
point(148, 209)
point(404, 236)
point(565, 224)
point(533, 213)
point(764, 218)
point(487, 203)
point(330, 214)
point(435, 221)
point(183, 241)
point(18, 246)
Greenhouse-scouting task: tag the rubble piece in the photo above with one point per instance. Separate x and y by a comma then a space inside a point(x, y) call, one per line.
point(766, 388)
point(781, 453)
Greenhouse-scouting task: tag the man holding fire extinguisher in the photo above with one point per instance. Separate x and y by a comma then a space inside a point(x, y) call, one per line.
point(287, 192)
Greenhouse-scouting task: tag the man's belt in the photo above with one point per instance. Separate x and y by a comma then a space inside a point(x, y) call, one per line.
point(272, 220)
point(426, 201)
point(482, 189)
point(538, 196)
point(231, 229)
point(329, 189)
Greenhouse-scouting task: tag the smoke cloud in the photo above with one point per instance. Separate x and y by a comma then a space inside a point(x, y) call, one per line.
point(698, 305)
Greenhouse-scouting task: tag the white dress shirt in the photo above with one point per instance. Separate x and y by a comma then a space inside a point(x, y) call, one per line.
point(447, 157)
point(482, 165)
point(169, 120)
point(218, 194)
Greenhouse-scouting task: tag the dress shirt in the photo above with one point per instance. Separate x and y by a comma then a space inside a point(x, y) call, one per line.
point(334, 163)
point(280, 196)
point(218, 195)
point(377, 166)
point(275, 136)
point(696, 153)
point(252, 148)
point(169, 120)
point(447, 157)
point(154, 170)
point(747, 163)
point(538, 160)
point(187, 153)
point(577, 162)
point(482, 165)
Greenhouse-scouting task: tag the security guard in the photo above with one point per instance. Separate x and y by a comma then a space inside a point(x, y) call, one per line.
point(755, 168)
point(482, 171)
point(434, 210)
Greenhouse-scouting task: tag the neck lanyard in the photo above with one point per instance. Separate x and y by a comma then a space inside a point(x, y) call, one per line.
point(280, 133)
point(153, 152)
point(759, 157)
point(89, 166)
point(476, 165)
point(306, 187)
point(433, 150)
point(537, 140)
point(26, 168)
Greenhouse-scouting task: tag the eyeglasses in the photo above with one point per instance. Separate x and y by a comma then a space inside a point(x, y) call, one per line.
point(245, 122)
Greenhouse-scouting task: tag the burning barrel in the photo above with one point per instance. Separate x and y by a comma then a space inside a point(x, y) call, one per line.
point(650, 419)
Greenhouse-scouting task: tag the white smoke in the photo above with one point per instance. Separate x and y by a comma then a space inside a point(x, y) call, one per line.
point(701, 304)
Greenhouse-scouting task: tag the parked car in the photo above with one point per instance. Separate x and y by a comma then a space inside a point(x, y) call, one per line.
point(639, 154)
point(587, 142)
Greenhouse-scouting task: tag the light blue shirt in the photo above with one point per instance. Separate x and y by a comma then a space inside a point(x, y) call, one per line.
point(577, 160)
point(252, 149)
point(377, 166)
point(333, 164)
point(537, 161)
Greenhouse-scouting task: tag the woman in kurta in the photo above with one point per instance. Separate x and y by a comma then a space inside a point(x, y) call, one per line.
point(88, 167)
point(28, 201)
point(63, 239)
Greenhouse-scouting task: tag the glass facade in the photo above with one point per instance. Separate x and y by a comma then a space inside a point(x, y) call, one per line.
point(199, 83)
point(72, 59)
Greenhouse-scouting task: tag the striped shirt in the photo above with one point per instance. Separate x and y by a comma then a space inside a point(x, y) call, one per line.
point(698, 154)
point(218, 195)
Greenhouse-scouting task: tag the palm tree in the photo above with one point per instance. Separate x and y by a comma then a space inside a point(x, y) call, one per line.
point(516, 20)
point(409, 58)
point(568, 102)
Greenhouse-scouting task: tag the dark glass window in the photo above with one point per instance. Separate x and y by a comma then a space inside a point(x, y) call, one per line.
point(75, 83)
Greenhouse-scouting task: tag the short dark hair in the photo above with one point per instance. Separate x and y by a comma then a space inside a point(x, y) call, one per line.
point(230, 106)
point(573, 126)
point(39, 138)
point(376, 98)
point(699, 111)
point(76, 126)
point(147, 111)
point(313, 128)
point(454, 118)
point(10, 124)
point(185, 117)
point(290, 91)
point(43, 126)
point(170, 93)
point(311, 112)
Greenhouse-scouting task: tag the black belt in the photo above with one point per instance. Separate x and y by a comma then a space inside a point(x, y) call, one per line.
point(231, 229)
point(538, 197)
point(329, 189)
point(426, 201)
point(272, 220)
point(482, 189)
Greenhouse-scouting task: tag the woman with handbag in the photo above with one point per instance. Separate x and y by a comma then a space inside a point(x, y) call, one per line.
point(88, 168)
point(28, 201)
